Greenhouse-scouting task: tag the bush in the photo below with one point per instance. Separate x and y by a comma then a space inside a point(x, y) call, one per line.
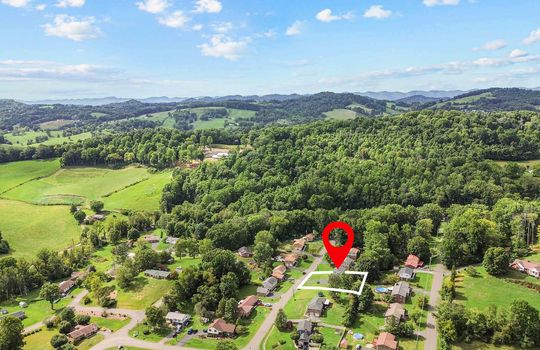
point(82, 319)
point(58, 340)
point(471, 271)
point(64, 327)
point(86, 300)
point(317, 338)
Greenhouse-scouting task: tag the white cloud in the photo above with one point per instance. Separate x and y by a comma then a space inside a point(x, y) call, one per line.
point(326, 16)
point(69, 27)
point(208, 6)
point(377, 12)
point(491, 45)
point(517, 53)
point(533, 37)
point(223, 27)
point(221, 46)
point(70, 3)
point(294, 29)
point(197, 27)
point(41, 7)
point(177, 19)
point(440, 2)
point(16, 3)
point(153, 6)
point(271, 33)
point(49, 70)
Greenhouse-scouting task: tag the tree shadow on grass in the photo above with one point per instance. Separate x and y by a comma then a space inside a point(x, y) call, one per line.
point(138, 284)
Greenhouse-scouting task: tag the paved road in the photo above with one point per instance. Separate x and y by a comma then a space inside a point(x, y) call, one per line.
point(430, 333)
point(269, 321)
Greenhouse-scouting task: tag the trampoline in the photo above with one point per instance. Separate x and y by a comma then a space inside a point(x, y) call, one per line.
point(358, 336)
point(381, 290)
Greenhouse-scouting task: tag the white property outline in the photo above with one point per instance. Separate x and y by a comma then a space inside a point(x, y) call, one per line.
point(359, 292)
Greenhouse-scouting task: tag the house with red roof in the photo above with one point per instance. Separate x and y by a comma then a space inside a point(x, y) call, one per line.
point(526, 266)
point(220, 328)
point(246, 306)
point(385, 341)
point(413, 262)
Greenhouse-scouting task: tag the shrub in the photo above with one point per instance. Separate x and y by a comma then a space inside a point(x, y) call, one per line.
point(82, 319)
point(58, 340)
point(317, 338)
point(64, 327)
point(86, 300)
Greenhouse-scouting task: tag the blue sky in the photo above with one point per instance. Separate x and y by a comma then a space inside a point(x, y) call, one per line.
point(141, 48)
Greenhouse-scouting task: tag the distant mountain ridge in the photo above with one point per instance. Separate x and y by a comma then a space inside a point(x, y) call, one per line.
point(381, 95)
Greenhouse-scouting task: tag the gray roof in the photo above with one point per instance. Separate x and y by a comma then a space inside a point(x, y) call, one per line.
point(177, 316)
point(316, 303)
point(401, 288)
point(270, 283)
point(157, 273)
point(396, 310)
point(305, 326)
point(404, 272)
point(262, 290)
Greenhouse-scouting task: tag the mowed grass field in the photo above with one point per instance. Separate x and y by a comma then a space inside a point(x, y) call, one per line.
point(56, 138)
point(485, 290)
point(341, 114)
point(29, 228)
point(144, 195)
point(16, 173)
point(77, 185)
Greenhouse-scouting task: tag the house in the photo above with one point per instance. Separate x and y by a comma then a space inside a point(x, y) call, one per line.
point(279, 272)
point(396, 311)
point(178, 319)
point(316, 307)
point(246, 306)
point(98, 217)
point(353, 254)
point(528, 267)
point(385, 341)
point(345, 265)
point(150, 239)
point(400, 292)
point(82, 332)
point(299, 245)
point(245, 252)
point(157, 274)
point(77, 275)
point(268, 286)
point(406, 273)
point(290, 260)
point(310, 237)
point(171, 240)
point(305, 329)
point(413, 262)
point(66, 286)
point(220, 328)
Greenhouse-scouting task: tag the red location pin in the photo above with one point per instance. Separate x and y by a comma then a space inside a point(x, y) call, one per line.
point(338, 254)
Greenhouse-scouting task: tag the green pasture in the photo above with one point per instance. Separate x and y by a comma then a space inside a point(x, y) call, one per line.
point(16, 173)
point(144, 195)
point(29, 228)
point(77, 185)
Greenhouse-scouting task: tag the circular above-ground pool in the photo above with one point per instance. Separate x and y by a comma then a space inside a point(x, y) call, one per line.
point(381, 290)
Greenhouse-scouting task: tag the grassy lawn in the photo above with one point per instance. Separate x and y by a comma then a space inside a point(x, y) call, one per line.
point(16, 173)
point(331, 336)
point(534, 257)
point(90, 342)
point(480, 346)
point(77, 184)
point(103, 259)
point(141, 196)
point(40, 340)
point(29, 228)
point(153, 336)
point(422, 280)
point(340, 114)
point(144, 292)
point(38, 309)
point(275, 338)
point(109, 323)
point(296, 307)
point(184, 262)
point(484, 290)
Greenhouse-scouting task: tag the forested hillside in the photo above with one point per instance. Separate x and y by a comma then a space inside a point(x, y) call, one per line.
point(491, 100)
